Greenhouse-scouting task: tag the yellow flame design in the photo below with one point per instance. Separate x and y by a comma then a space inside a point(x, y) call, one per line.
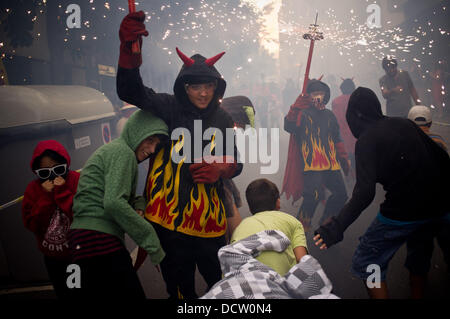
point(202, 216)
point(334, 163)
point(162, 207)
point(319, 159)
point(213, 143)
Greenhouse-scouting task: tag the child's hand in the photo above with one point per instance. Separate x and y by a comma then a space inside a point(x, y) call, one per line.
point(59, 181)
point(140, 212)
point(48, 186)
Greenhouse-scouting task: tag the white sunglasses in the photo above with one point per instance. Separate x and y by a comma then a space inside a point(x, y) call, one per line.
point(58, 170)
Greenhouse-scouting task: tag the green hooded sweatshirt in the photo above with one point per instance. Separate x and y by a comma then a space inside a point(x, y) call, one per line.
point(105, 200)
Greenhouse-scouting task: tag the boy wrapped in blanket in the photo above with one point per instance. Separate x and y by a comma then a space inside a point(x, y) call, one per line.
point(244, 277)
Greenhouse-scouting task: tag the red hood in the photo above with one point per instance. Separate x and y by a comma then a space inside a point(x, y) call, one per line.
point(49, 145)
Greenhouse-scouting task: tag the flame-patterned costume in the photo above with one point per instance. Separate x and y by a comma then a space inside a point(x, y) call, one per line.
point(177, 203)
point(316, 133)
point(189, 217)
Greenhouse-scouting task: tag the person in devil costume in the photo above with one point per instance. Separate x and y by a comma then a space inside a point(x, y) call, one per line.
point(185, 198)
point(322, 152)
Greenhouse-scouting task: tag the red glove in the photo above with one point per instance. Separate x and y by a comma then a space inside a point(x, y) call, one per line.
point(302, 102)
point(132, 28)
point(209, 173)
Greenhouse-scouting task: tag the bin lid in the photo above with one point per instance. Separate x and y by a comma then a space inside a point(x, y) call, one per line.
point(30, 104)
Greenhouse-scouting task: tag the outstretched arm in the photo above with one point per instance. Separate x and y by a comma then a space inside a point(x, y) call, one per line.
point(363, 194)
point(131, 90)
point(117, 200)
point(129, 82)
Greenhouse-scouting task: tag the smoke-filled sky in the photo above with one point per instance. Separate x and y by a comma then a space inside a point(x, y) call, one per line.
point(262, 38)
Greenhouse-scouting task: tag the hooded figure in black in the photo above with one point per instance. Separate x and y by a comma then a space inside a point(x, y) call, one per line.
point(184, 193)
point(414, 172)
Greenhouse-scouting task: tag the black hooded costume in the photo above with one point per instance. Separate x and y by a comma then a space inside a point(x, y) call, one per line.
point(175, 210)
point(322, 154)
point(396, 153)
point(190, 218)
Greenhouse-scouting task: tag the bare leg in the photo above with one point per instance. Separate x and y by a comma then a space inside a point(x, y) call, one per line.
point(417, 284)
point(378, 293)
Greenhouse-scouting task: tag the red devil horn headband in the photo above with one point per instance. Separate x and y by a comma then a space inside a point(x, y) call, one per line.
point(214, 59)
point(187, 61)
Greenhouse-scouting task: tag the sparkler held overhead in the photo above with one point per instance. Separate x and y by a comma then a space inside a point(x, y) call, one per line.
point(313, 35)
point(135, 47)
point(293, 179)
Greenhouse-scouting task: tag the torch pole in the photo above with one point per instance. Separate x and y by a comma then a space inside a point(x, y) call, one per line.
point(313, 35)
point(308, 66)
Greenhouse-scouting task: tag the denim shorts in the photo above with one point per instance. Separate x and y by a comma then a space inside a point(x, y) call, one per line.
point(421, 244)
point(378, 245)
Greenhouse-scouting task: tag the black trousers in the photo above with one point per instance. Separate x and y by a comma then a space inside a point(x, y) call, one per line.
point(56, 269)
point(109, 276)
point(183, 254)
point(313, 192)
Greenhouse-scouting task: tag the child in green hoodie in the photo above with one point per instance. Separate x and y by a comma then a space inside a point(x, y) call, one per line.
point(105, 208)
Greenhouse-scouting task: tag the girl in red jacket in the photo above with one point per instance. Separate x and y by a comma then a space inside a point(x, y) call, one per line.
point(47, 208)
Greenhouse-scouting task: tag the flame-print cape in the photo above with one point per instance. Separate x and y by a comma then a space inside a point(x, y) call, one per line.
point(293, 174)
